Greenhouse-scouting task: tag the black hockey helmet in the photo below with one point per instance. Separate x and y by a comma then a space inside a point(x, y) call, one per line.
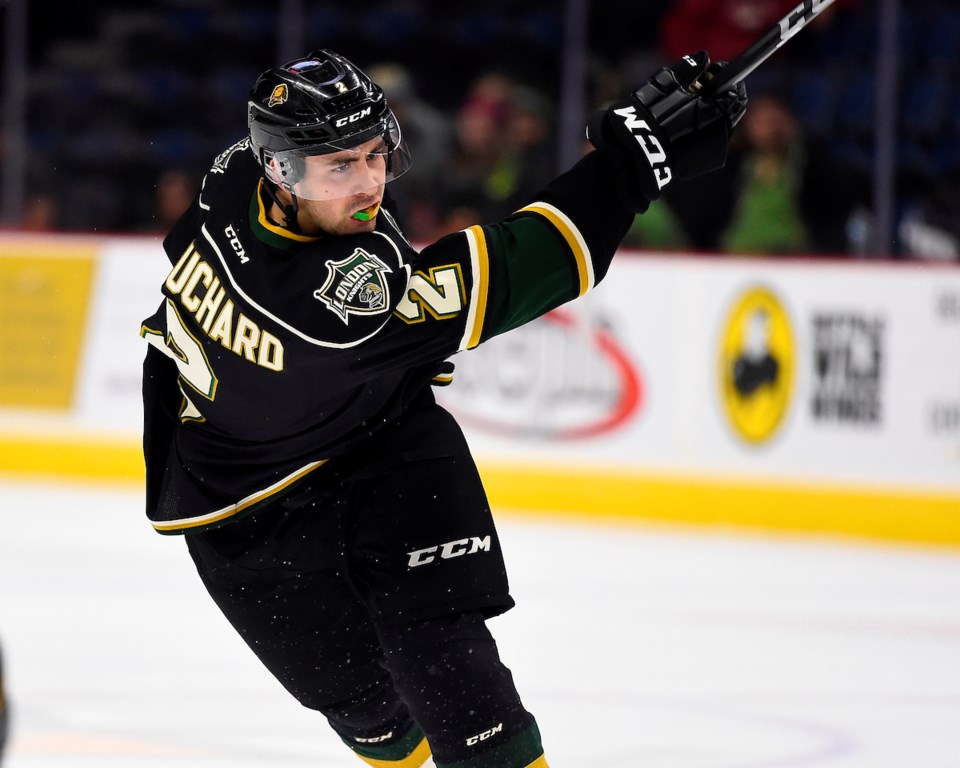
point(322, 104)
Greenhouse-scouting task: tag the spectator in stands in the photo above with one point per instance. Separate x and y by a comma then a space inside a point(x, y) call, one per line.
point(503, 152)
point(429, 134)
point(929, 228)
point(530, 156)
point(790, 197)
point(780, 192)
point(464, 186)
point(41, 212)
point(175, 190)
point(767, 216)
point(723, 28)
point(658, 229)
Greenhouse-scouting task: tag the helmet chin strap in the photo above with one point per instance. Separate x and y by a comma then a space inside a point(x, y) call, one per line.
point(289, 211)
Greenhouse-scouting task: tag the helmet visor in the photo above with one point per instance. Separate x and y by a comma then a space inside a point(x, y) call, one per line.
point(328, 172)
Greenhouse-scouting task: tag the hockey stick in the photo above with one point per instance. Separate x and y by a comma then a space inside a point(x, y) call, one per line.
point(747, 61)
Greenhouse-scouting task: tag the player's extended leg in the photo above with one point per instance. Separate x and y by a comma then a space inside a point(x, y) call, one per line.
point(278, 579)
point(426, 559)
point(449, 673)
point(406, 529)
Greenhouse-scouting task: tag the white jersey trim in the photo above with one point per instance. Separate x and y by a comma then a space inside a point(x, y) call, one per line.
point(465, 342)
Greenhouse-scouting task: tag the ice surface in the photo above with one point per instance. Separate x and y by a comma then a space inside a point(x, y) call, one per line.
point(634, 647)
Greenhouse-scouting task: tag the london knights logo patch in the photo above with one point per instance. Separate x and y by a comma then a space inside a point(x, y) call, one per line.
point(355, 286)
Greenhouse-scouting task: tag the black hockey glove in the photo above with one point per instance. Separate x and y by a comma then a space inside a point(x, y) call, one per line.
point(667, 130)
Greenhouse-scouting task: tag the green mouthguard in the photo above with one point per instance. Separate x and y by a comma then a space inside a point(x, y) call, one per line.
point(367, 213)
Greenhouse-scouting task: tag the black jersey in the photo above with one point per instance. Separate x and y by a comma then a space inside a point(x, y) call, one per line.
point(273, 352)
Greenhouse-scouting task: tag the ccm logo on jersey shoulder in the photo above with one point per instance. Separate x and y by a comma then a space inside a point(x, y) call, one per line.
point(650, 144)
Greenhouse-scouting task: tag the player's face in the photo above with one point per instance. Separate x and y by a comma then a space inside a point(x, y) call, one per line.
point(352, 182)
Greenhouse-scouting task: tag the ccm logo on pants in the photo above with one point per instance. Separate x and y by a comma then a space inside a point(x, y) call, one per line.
point(485, 735)
point(448, 551)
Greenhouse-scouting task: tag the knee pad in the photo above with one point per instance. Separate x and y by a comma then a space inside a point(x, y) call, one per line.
point(449, 674)
point(372, 713)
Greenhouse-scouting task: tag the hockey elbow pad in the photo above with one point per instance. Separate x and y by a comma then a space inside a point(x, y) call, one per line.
point(667, 130)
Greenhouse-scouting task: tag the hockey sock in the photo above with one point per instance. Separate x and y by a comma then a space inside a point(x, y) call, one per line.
point(448, 673)
point(408, 751)
point(522, 751)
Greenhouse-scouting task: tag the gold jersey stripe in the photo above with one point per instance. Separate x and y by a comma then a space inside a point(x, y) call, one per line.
point(414, 760)
point(240, 506)
point(574, 239)
point(540, 762)
point(271, 227)
point(480, 262)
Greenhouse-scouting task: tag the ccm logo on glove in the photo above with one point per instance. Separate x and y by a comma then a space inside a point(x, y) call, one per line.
point(649, 143)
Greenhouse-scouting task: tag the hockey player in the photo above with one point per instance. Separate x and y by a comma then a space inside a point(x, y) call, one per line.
point(331, 507)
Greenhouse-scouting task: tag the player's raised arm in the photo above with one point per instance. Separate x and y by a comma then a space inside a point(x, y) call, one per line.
point(561, 244)
point(667, 129)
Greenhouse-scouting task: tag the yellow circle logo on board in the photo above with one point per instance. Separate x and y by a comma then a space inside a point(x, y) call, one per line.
point(757, 362)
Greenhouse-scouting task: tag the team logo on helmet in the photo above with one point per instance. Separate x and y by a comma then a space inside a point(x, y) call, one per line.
point(355, 286)
point(279, 95)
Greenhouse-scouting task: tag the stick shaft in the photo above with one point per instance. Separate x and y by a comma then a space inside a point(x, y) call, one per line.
point(747, 61)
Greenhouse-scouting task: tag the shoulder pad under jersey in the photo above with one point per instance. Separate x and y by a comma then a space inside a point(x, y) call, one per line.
point(335, 292)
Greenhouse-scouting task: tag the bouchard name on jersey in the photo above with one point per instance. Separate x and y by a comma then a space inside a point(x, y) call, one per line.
point(273, 352)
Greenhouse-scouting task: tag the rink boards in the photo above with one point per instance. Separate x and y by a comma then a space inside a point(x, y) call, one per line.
point(816, 396)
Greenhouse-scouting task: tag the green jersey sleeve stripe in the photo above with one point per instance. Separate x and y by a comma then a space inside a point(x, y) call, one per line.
point(575, 241)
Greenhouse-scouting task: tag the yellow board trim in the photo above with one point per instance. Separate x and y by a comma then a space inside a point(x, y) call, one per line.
point(414, 760)
point(914, 516)
point(118, 461)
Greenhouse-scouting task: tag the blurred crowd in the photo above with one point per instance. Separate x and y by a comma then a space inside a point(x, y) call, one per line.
point(481, 119)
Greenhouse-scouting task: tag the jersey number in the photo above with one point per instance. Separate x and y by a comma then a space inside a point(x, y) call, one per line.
point(439, 293)
point(191, 360)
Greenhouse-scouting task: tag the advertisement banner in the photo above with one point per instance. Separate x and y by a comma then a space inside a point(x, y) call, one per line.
point(787, 394)
point(800, 371)
point(44, 295)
